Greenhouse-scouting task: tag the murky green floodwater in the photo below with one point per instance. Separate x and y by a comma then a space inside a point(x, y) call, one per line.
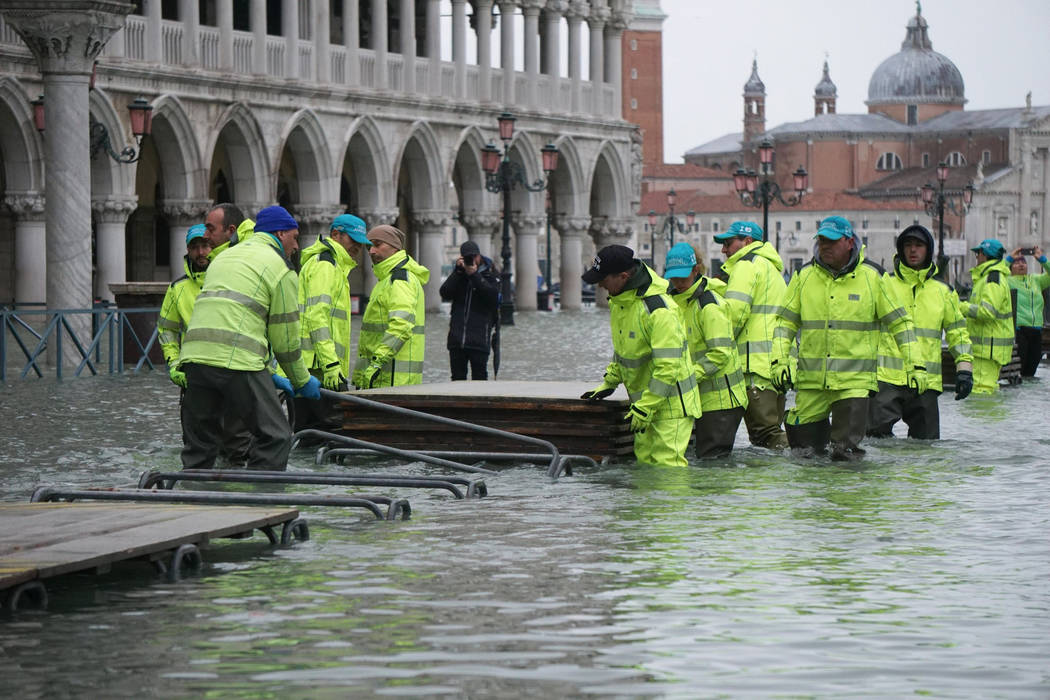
point(922, 571)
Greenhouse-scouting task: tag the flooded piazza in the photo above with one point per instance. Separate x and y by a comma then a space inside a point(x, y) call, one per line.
point(922, 570)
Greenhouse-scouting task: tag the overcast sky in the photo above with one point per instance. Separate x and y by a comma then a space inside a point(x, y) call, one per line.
point(1001, 47)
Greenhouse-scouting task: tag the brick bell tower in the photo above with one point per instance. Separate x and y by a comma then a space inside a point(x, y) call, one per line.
point(754, 108)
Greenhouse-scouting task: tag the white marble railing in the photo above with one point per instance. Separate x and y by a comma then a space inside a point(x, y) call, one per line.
point(242, 53)
point(171, 42)
point(275, 46)
point(306, 62)
point(208, 40)
point(338, 57)
point(135, 38)
point(8, 35)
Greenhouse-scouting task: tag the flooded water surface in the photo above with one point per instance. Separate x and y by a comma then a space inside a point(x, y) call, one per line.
point(921, 571)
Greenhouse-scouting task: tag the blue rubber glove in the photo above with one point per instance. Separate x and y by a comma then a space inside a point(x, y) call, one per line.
point(283, 384)
point(310, 390)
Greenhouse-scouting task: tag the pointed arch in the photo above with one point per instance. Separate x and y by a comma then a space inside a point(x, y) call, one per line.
point(20, 143)
point(421, 157)
point(569, 179)
point(304, 138)
point(178, 150)
point(464, 170)
point(366, 163)
point(238, 143)
point(607, 187)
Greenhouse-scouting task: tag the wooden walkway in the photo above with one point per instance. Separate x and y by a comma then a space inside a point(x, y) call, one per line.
point(42, 540)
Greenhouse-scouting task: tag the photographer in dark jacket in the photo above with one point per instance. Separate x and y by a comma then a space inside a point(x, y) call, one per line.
point(473, 289)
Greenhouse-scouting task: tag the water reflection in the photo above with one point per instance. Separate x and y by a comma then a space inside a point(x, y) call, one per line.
point(921, 570)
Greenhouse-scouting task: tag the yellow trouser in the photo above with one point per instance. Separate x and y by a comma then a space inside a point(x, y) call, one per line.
point(985, 375)
point(664, 442)
point(812, 405)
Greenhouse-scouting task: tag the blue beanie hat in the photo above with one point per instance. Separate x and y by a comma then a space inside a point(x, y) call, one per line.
point(990, 247)
point(196, 231)
point(352, 226)
point(680, 261)
point(834, 228)
point(273, 219)
point(741, 229)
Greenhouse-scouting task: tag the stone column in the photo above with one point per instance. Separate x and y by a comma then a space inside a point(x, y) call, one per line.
point(574, 16)
point(614, 57)
point(30, 247)
point(596, 21)
point(571, 231)
point(432, 225)
point(322, 41)
point(527, 227)
point(189, 14)
point(351, 27)
point(290, 27)
point(1045, 215)
point(552, 41)
point(65, 39)
point(224, 19)
point(154, 37)
point(258, 24)
point(506, 49)
point(532, 49)
point(408, 46)
point(111, 252)
point(459, 47)
point(434, 45)
point(181, 214)
point(379, 43)
point(373, 218)
point(484, 21)
point(481, 228)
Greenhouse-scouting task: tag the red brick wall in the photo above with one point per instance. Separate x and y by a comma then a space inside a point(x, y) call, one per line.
point(647, 90)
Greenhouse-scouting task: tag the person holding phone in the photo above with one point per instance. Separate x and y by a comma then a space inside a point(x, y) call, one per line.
point(1028, 316)
point(473, 289)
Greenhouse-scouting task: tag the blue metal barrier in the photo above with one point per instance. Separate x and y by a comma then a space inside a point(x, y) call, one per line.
point(110, 332)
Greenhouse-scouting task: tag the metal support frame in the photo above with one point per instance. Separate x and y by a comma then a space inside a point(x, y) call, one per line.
point(334, 454)
point(385, 449)
point(553, 468)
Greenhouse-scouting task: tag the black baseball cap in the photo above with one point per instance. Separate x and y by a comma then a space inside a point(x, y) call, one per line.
point(469, 248)
point(609, 260)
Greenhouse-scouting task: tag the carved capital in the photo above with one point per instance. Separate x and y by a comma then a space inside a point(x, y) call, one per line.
point(114, 210)
point(481, 223)
point(619, 19)
point(569, 226)
point(558, 7)
point(317, 214)
point(378, 217)
point(66, 36)
point(528, 224)
point(26, 206)
point(431, 220)
point(598, 15)
point(577, 10)
point(185, 210)
point(532, 7)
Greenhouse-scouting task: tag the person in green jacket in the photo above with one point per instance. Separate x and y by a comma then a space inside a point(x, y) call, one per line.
point(324, 306)
point(755, 290)
point(1028, 318)
point(835, 305)
point(989, 316)
point(650, 357)
point(934, 309)
point(713, 353)
point(247, 308)
point(391, 343)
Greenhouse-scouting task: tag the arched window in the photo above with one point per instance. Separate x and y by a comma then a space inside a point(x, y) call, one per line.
point(889, 161)
point(955, 159)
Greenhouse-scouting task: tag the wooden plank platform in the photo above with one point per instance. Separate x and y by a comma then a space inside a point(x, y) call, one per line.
point(41, 540)
point(548, 410)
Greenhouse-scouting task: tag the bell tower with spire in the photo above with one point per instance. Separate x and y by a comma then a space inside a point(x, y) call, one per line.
point(754, 107)
point(824, 94)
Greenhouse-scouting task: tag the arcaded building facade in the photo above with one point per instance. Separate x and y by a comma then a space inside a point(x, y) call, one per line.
point(375, 107)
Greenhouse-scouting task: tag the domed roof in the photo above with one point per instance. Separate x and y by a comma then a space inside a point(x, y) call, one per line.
point(754, 84)
point(825, 88)
point(917, 74)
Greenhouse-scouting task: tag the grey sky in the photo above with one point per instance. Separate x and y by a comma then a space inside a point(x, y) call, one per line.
point(1002, 49)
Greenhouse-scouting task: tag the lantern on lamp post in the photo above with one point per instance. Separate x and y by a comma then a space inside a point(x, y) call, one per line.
point(759, 190)
point(936, 201)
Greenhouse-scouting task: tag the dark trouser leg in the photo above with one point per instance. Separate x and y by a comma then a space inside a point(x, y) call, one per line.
point(236, 438)
point(809, 438)
point(849, 422)
point(1029, 348)
point(202, 410)
point(326, 414)
point(457, 358)
point(923, 417)
point(716, 431)
point(479, 364)
point(267, 422)
point(885, 408)
point(765, 412)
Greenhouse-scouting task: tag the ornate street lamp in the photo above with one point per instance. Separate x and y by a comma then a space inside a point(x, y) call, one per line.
point(670, 225)
point(140, 113)
point(503, 175)
point(936, 201)
point(760, 193)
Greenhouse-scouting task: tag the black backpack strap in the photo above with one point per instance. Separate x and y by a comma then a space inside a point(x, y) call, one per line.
point(399, 272)
point(993, 277)
point(654, 302)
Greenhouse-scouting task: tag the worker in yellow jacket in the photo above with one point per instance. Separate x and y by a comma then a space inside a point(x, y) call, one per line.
point(650, 357)
point(989, 316)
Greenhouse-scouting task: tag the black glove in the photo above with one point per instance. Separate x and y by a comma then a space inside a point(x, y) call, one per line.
point(963, 384)
point(597, 394)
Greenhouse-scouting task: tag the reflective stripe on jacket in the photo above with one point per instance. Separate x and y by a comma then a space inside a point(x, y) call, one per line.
point(1030, 296)
point(837, 317)
point(324, 305)
point(934, 309)
point(713, 353)
point(392, 325)
point(248, 307)
point(176, 309)
point(650, 355)
point(753, 295)
point(989, 312)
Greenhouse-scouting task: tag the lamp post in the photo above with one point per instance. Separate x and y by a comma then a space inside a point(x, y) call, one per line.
point(547, 275)
point(139, 111)
point(503, 175)
point(670, 225)
point(759, 194)
point(936, 201)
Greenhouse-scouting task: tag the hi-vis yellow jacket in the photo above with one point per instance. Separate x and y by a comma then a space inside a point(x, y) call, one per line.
point(753, 295)
point(248, 307)
point(176, 309)
point(324, 304)
point(837, 317)
point(989, 312)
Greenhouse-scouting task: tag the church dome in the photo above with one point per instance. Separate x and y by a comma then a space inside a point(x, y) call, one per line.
point(917, 74)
